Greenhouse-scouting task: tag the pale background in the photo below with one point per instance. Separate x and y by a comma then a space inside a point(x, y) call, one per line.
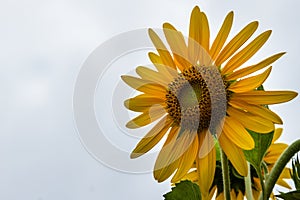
point(42, 47)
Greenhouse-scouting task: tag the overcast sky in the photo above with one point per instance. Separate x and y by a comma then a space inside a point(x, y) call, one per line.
point(44, 45)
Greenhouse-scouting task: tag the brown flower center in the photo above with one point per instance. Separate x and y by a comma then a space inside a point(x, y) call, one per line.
point(197, 98)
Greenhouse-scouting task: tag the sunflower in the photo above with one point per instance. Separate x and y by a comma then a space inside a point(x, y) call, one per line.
point(200, 92)
point(237, 182)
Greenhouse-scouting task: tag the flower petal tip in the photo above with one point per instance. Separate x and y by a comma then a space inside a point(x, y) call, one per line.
point(132, 125)
point(293, 94)
point(134, 155)
point(151, 32)
point(196, 8)
point(167, 25)
point(126, 103)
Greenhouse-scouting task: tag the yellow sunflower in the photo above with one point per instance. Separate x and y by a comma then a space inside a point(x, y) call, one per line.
point(237, 182)
point(199, 91)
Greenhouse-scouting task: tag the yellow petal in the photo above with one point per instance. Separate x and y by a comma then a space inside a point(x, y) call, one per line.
point(212, 192)
point(249, 70)
point(192, 176)
point(246, 53)
point(167, 162)
point(240, 196)
point(255, 194)
point(256, 184)
point(152, 137)
point(277, 134)
point(232, 194)
point(250, 83)
point(237, 134)
point(175, 40)
point(222, 36)
point(147, 117)
point(164, 173)
point(220, 196)
point(274, 152)
point(162, 50)
point(283, 183)
point(257, 110)
point(144, 85)
point(206, 164)
point(285, 173)
point(143, 102)
point(167, 72)
point(177, 45)
point(204, 34)
point(187, 159)
point(204, 56)
point(250, 121)
point(172, 134)
point(198, 41)
point(265, 97)
point(155, 59)
point(206, 143)
point(151, 75)
point(236, 42)
point(195, 37)
point(234, 154)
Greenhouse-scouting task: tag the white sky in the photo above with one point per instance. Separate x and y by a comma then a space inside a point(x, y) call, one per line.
point(43, 45)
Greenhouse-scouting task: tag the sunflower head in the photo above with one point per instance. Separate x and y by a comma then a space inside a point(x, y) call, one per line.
point(192, 96)
point(201, 91)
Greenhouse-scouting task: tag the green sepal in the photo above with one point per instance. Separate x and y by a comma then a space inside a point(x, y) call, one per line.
point(185, 190)
point(262, 143)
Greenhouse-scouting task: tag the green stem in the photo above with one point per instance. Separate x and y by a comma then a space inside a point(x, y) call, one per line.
point(226, 177)
point(279, 166)
point(265, 169)
point(248, 183)
point(262, 183)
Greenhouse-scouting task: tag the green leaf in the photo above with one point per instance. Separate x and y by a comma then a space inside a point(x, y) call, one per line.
point(290, 195)
point(262, 143)
point(185, 190)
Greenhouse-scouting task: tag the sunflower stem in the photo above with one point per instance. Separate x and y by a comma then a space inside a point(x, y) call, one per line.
point(262, 183)
point(248, 183)
point(226, 177)
point(279, 166)
point(265, 168)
